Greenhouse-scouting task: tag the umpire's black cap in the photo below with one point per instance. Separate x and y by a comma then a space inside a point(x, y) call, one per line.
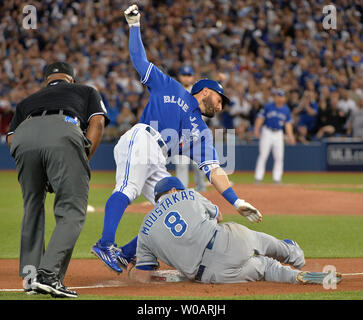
point(59, 67)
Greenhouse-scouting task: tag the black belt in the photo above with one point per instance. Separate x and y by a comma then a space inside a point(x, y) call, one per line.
point(50, 112)
point(160, 141)
point(201, 268)
point(273, 129)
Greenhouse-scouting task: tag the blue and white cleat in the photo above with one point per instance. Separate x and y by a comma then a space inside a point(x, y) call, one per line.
point(108, 255)
point(122, 258)
point(308, 277)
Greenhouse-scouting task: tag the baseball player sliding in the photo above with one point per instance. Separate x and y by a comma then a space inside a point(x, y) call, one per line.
point(171, 122)
point(183, 231)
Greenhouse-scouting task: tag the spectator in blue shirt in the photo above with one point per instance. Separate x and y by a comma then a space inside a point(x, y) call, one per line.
point(306, 112)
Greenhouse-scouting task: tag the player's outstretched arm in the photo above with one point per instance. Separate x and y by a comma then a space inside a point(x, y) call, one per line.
point(220, 181)
point(136, 47)
point(137, 275)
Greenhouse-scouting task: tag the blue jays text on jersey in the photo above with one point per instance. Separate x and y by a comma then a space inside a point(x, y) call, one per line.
point(172, 108)
point(179, 102)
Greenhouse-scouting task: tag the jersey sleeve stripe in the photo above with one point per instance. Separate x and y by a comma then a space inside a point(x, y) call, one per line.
point(217, 212)
point(146, 263)
point(95, 114)
point(146, 78)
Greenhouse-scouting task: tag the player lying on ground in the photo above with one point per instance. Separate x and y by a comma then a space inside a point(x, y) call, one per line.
point(183, 232)
point(172, 114)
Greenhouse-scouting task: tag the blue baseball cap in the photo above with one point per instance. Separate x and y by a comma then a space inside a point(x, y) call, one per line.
point(211, 84)
point(167, 184)
point(186, 71)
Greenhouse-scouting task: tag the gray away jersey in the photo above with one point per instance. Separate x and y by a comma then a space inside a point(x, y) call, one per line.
point(177, 231)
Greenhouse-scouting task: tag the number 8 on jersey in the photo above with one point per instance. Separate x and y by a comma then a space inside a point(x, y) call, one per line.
point(175, 223)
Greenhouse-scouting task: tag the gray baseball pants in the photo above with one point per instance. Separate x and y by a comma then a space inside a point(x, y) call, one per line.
point(48, 148)
point(240, 255)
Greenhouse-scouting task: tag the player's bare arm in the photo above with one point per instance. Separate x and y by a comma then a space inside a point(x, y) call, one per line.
point(94, 132)
point(220, 181)
point(290, 133)
point(258, 124)
point(138, 275)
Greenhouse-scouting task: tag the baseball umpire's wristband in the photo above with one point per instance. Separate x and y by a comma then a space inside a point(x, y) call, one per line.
point(230, 195)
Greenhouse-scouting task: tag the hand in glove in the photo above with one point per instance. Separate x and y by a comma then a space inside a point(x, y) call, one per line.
point(132, 16)
point(247, 210)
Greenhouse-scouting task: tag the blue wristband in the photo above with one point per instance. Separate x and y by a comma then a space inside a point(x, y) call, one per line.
point(230, 195)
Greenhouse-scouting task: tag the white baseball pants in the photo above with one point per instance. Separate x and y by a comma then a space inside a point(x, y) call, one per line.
point(140, 163)
point(270, 140)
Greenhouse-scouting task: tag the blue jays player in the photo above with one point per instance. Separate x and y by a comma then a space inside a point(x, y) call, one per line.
point(183, 232)
point(273, 118)
point(171, 122)
point(186, 78)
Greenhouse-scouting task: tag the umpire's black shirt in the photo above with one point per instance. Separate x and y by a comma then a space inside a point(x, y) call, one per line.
point(77, 100)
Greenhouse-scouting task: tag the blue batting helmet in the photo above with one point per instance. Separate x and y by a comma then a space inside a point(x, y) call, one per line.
point(211, 84)
point(167, 184)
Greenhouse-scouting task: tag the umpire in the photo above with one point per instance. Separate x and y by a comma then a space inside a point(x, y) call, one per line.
point(52, 136)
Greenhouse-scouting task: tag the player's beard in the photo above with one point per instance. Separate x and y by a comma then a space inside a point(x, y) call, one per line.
point(209, 110)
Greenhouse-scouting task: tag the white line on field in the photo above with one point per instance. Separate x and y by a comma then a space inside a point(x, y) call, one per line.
point(353, 274)
point(100, 286)
point(11, 290)
point(74, 288)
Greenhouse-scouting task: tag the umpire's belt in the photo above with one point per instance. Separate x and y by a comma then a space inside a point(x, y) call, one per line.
point(201, 268)
point(159, 140)
point(71, 117)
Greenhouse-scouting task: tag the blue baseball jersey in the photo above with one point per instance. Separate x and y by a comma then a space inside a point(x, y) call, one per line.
point(275, 117)
point(172, 110)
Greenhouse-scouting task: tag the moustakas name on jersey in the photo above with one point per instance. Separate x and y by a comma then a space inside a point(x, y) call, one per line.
point(172, 110)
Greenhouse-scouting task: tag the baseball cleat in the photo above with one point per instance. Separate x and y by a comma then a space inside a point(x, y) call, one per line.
point(109, 255)
point(27, 287)
point(48, 283)
point(122, 258)
point(307, 277)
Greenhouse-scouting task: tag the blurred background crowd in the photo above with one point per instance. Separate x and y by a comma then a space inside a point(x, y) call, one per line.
point(250, 46)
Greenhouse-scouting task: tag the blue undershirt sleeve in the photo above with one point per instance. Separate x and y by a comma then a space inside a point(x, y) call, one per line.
point(137, 52)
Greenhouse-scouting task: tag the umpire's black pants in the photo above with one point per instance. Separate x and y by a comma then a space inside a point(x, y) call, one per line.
point(48, 148)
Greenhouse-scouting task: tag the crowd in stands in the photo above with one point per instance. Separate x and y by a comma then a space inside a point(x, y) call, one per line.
point(250, 46)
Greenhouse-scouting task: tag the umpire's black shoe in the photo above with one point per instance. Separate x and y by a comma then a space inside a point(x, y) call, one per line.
point(47, 282)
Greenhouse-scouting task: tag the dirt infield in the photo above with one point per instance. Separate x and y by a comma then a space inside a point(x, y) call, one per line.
point(285, 199)
point(269, 199)
point(91, 274)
